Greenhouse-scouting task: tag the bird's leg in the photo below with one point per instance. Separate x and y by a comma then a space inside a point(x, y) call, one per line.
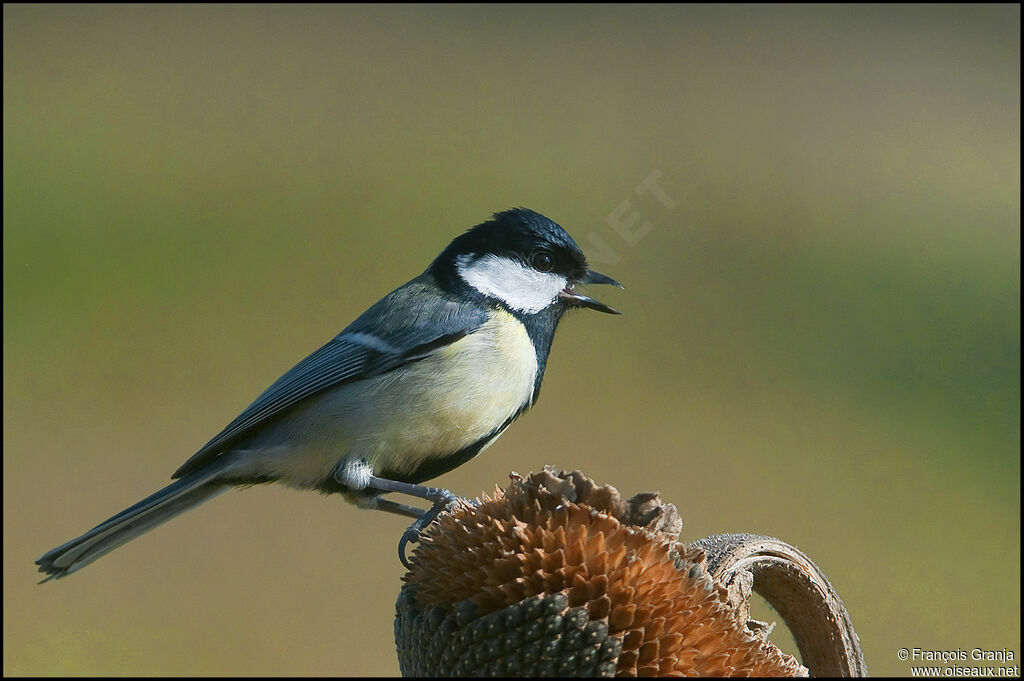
point(441, 500)
point(357, 475)
point(378, 504)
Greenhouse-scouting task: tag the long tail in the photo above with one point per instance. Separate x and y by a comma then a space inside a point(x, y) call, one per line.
point(180, 496)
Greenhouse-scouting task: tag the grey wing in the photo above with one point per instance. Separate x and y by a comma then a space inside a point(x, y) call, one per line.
point(373, 344)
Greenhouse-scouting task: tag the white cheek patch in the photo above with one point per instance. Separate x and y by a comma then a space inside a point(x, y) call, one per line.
point(520, 287)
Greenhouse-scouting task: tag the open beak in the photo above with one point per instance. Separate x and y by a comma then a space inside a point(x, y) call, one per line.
point(574, 299)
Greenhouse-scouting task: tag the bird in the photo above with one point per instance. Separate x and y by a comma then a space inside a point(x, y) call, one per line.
point(423, 381)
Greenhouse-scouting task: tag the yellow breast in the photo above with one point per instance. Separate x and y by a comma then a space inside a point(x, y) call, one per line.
point(453, 398)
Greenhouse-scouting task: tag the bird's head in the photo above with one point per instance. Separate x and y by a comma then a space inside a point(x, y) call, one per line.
point(523, 261)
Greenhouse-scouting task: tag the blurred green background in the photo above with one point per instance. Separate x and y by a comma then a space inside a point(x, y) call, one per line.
point(820, 339)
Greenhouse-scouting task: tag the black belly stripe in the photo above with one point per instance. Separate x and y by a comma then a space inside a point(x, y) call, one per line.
point(432, 467)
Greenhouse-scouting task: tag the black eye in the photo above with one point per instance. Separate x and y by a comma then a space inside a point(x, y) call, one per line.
point(542, 261)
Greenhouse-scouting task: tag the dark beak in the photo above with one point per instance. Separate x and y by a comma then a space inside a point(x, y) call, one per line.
point(574, 299)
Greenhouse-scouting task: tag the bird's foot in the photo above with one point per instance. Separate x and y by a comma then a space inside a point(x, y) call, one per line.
point(357, 474)
point(443, 501)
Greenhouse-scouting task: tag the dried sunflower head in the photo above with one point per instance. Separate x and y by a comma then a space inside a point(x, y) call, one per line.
point(559, 576)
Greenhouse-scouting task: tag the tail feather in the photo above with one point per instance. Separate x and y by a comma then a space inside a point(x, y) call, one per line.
point(156, 509)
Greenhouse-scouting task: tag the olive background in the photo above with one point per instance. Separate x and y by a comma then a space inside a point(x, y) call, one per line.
point(820, 338)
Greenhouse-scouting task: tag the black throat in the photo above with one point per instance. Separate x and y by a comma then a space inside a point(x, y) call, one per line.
point(540, 326)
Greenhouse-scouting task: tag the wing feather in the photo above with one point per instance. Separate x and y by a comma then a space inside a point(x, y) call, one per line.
point(373, 344)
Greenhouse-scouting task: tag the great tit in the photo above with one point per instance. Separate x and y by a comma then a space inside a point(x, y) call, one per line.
point(423, 381)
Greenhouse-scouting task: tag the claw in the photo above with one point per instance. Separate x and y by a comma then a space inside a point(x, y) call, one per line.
point(443, 501)
point(409, 535)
